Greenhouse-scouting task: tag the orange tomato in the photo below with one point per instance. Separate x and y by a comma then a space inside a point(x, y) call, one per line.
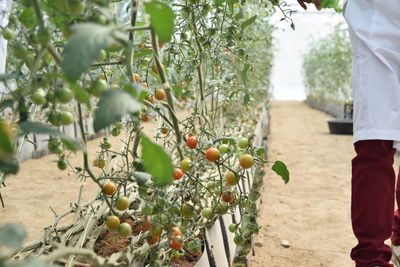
point(246, 161)
point(231, 178)
point(212, 154)
point(144, 117)
point(159, 94)
point(136, 77)
point(112, 222)
point(109, 188)
point(155, 69)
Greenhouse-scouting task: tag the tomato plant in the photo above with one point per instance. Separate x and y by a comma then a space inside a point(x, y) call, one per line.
point(204, 62)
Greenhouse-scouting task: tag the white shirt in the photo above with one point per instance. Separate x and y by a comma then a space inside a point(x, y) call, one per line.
point(375, 34)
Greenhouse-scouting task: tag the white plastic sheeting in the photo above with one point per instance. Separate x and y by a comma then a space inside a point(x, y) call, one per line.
point(5, 7)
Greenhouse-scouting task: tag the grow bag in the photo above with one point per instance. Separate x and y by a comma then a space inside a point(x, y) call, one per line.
point(340, 126)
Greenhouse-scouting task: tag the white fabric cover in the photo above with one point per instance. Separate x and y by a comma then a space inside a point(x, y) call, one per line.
point(5, 7)
point(375, 34)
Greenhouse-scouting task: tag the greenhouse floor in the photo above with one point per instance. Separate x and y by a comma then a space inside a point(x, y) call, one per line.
point(312, 211)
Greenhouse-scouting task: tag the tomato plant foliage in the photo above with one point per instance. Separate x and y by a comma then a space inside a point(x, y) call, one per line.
point(189, 70)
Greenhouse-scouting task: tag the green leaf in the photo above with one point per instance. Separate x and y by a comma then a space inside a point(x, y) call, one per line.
point(226, 140)
point(28, 18)
point(80, 93)
point(9, 166)
point(260, 151)
point(248, 22)
point(246, 98)
point(84, 47)
point(142, 53)
point(161, 19)
point(7, 103)
point(12, 235)
point(112, 106)
point(27, 127)
point(157, 162)
point(280, 168)
point(245, 77)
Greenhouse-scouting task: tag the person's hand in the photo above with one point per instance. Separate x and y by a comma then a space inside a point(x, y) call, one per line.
point(317, 3)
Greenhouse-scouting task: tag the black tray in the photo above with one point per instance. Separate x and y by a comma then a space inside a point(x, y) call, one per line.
point(340, 126)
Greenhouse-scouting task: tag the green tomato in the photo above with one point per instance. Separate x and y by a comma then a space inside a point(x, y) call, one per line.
point(211, 185)
point(233, 227)
point(62, 164)
point(122, 203)
point(124, 229)
point(186, 164)
point(115, 132)
point(102, 55)
point(187, 211)
point(194, 246)
point(217, 191)
point(207, 213)
point(39, 97)
point(54, 118)
point(63, 95)
point(8, 35)
point(160, 203)
point(147, 209)
point(98, 87)
point(243, 143)
point(118, 125)
point(175, 210)
point(66, 117)
point(164, 220)
point(75, 7)
point(20, 51)
point(43, 36)
point(55, 147)
point(106, 145)
point(223, 149)
point(222, 208)
point(60, 5)
point(239, 240)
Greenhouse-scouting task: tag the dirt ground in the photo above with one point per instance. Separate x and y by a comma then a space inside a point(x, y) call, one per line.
point(312, 211)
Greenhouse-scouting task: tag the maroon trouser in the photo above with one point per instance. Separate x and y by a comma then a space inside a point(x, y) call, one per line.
point(372, 203)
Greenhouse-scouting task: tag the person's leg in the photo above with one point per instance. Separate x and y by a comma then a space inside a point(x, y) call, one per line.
point(396, 221)
point(372, 206)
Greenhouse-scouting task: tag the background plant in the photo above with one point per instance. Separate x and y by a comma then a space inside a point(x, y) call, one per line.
point(327, 67)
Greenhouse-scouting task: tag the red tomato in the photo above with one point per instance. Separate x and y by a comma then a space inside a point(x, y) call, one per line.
point(175, 243)
point(153, 239)
point(192, 142)
point(228, 196)
point(178, 173)
point(145, 225)
point(175, 231)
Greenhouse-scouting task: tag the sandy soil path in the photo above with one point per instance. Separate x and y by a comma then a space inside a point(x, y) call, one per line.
point(312, 212)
